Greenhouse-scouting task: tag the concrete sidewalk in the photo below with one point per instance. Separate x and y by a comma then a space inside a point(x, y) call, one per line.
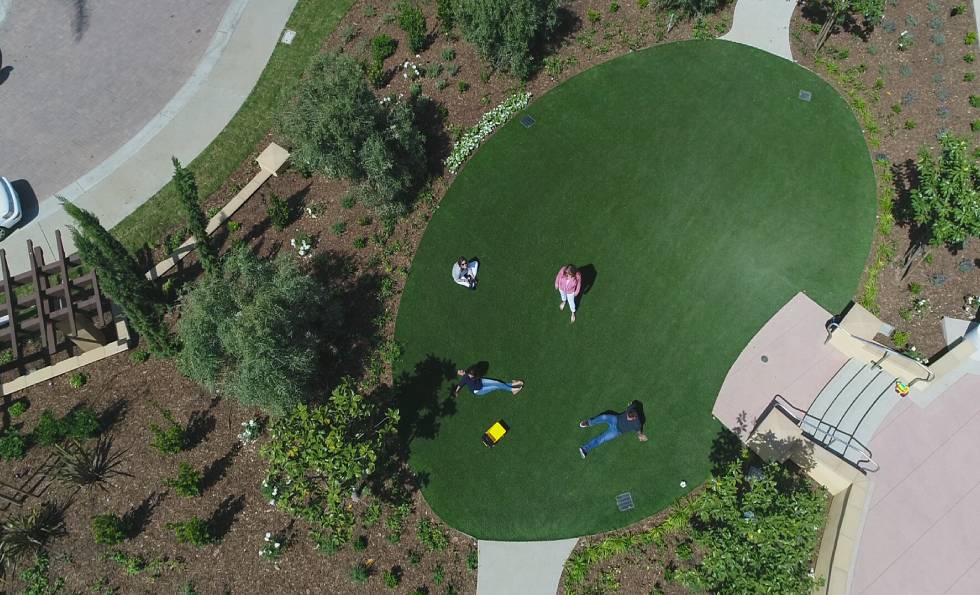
point(198, 112)
point(526, 567)
point(763, 24)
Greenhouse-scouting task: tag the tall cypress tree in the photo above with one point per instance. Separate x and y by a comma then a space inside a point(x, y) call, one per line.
point(197, 223)
point(120, 278)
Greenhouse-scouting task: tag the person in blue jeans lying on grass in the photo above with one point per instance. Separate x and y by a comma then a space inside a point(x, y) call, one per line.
point(480, 386)
point(617, 424)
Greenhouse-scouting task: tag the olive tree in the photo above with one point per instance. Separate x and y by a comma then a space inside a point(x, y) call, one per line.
point(506, 32)
point(339, 128)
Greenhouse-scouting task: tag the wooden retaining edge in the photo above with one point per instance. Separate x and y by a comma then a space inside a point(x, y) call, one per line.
point(269, 160)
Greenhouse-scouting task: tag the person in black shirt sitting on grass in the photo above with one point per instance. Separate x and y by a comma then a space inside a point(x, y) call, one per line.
point(630, 420)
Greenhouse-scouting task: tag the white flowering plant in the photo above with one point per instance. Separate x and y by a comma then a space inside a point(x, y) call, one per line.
point(251, 430)
point(303, 244)
point(411, 70)
point(972, 304)
point(315, 210)
point(471, 139)
point(272, 547)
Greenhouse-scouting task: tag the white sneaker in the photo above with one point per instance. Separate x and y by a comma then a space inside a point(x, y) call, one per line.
point(561, 306)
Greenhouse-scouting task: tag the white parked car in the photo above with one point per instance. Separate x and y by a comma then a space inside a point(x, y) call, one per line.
point(10, 211)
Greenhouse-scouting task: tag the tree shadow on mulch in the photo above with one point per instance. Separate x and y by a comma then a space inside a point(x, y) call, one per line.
point(346, 351)
point(136, 518)
point(430, 116)
point(199, 425)
point(223, 517)
point(113, 414)
point(816, 12)
point(216, 470)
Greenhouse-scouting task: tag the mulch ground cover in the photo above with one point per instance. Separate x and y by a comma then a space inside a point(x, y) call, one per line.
point(913, 74)
point(129, 395)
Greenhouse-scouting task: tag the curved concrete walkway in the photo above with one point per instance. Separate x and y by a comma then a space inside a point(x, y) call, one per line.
point(199, 111)
point(525, 567)
point(763, 24)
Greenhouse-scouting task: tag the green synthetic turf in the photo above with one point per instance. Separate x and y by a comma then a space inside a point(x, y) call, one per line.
point(705, 194)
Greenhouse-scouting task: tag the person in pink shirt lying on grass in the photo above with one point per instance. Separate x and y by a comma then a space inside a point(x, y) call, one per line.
point(569, 285)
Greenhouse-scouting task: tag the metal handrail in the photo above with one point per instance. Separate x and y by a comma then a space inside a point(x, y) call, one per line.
point(780, 400)
point(930, 375)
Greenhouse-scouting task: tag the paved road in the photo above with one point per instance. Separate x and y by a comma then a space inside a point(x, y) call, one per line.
point(86, 76)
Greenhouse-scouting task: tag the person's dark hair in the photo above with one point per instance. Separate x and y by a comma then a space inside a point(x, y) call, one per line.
point(461, 261)
point(571, 269)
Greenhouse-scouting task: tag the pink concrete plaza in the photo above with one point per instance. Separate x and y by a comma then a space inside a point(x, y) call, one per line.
point(922, 527)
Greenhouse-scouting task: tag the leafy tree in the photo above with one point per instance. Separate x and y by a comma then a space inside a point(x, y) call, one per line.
point(320, 455)
point(197, 223)
point(120, 278)
point(256, 331)
point(337, 126)
point(506, 32)
point(838, 11)
point(946, 202)
point(758, 532)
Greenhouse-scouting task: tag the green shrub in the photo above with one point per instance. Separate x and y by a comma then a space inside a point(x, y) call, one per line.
point(449, 54)
point(593, 15)
point(438, 574)
point(12, 445)
point(256, 332)
point(391, 578)
point(453, 69)
point(969, 57)
point(463, 86)
point(958, 9)
point(50, 429)
point(233, 226)
point(900, 338)
point(915, 288)
point(974, 100)
point(506, 33)
point(473, 560)
point(414, 558)
point(17, 409)
point(194, 531)
point(910, 124)
point(360, 543)
point(187, 483)
point(975, 126)
point(613, 7)
point(946, 203)
point(139, 356)
point(642, 3)
point(360, 572)
point(412, 22)
point(338, 127)
point(171, 438)
point(359, 243)
point(339, 228)
point(970, 38)
point(278, 212)
point(431, 536)
point(693, 7)
point(6, 356)
point(382, 47)
point(82, 423)
point(108, 529)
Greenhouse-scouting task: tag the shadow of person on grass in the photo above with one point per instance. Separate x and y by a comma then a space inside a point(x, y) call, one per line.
point(589, 276)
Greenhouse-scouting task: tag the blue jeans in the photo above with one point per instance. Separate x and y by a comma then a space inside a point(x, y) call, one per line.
point(568, 297)
point(612, 430)
point(490, 385)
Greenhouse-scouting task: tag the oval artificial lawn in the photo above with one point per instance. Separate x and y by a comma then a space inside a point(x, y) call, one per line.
point(704, 194)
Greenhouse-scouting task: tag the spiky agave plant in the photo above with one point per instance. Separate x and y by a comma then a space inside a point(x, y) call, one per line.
point(83, 466)
point(28, 532)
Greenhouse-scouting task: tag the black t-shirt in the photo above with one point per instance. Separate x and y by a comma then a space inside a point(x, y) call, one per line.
point(630, 425)
point(474, 383)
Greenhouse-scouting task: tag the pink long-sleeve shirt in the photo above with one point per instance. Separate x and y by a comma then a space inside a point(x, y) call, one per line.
point(568, 285)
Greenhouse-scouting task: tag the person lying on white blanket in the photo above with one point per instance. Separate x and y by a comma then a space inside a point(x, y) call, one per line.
point(464, 273)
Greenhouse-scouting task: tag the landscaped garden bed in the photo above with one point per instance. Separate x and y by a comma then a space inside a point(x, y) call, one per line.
point(910, 78)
